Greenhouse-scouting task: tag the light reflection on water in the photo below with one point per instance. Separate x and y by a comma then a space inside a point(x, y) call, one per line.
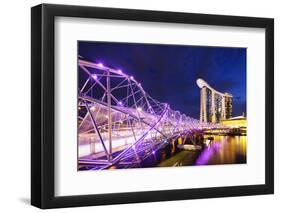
point(222, 150)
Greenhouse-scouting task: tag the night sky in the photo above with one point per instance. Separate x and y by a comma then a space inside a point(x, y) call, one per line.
point(169, 72)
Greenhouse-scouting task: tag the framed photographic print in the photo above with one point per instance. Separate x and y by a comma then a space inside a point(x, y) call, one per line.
point(140, 106)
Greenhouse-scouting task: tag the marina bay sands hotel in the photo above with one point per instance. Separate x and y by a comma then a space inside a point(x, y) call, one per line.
point(214, 105)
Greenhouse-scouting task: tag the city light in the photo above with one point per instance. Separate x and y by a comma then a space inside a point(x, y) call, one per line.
point(124, 120)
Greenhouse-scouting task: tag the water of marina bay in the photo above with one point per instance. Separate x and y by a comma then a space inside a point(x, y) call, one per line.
point(221, 150)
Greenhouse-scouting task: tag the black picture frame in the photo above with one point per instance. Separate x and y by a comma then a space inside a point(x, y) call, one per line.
point(43, 117)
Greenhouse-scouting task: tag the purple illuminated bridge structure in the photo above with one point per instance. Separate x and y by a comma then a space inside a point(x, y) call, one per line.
point(119, 124)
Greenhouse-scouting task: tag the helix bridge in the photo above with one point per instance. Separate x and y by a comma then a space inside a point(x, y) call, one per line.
point(119, 123)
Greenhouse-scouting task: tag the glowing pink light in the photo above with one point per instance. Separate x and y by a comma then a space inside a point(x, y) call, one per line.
point(100, 64)
point(120, 103)
point(132, 77)
point(119, 71)
point(95, 77)
point(206, 154)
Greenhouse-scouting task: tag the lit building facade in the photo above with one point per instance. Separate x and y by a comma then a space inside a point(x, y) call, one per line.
point(214, 105)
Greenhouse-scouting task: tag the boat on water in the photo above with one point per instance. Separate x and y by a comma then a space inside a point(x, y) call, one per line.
point(189, 147)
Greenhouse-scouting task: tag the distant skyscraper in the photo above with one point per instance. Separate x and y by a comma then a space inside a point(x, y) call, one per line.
point(214, 106)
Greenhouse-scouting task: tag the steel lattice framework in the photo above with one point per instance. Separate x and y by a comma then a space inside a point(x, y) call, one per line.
point(119, 123)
